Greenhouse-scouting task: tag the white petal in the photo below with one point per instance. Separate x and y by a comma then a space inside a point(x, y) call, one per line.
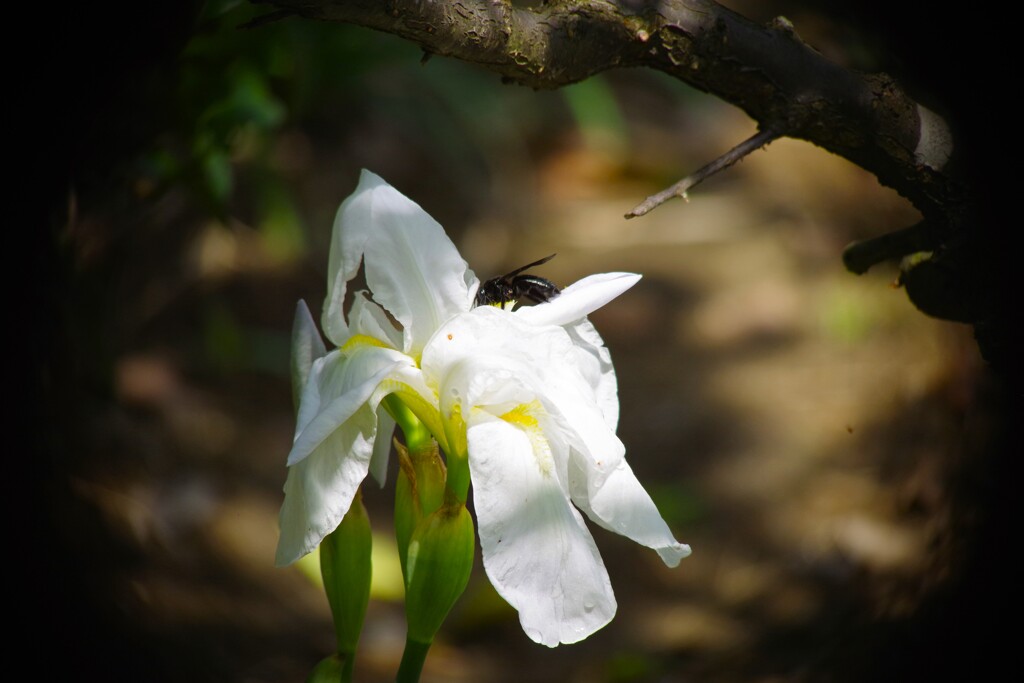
point(489, 331)
point(319, 490)
point(487, 381)
point(352, 226)
point(339, 384)
point(536, 548)
point(595, 364)
point(582, 422)
point(307, 346)
point(382, 446)
point(412, 268)
point(579, 299)
point(367, 318)
point(621, 504)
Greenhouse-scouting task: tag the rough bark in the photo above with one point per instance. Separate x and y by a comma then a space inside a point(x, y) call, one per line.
point(767, 71)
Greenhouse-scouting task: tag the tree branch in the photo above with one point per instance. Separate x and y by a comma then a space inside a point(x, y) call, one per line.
point(723, 162)
point(767, 71)
point(859, 257)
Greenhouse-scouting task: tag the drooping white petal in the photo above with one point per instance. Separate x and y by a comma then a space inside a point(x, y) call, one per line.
point(595, 364)
point(307, 346)
point(579, 299)
point(339, 384)
point(537, 551)
point(582, 423)
point(319, 489)
point(621, 504)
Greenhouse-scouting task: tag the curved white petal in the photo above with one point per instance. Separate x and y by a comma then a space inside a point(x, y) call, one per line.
point(353, 224)
point(490, 331)
point(621, 504)
point(412, 268)
point(319, 489)
point(339, 384)
point(537, 551)
point(595, 364)
point(307, 346)
point(487, 381)
point(583, 423)
point(579, 299)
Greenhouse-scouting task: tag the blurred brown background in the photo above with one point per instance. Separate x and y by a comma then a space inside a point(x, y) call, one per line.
point(829, 452)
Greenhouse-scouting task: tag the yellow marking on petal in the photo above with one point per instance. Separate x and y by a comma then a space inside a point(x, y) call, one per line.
point(520, 415)
point(360, 340)
point(524, 416)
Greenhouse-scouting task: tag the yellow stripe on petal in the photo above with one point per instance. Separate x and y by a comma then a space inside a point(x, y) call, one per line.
point(521, 415)
point(361, 340)
point(524, 416)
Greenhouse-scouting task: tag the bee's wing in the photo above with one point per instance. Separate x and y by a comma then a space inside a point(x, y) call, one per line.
point(540, 262)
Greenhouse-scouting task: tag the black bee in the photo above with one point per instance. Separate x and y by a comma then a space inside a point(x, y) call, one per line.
point(511, 287)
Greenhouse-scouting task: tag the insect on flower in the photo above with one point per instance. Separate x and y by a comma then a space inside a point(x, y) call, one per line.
point(510, 287)
point(523, 404)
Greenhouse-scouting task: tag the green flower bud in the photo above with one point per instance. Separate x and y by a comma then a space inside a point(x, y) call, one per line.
point(440, 559)
point(345, 565)
point(418, 492)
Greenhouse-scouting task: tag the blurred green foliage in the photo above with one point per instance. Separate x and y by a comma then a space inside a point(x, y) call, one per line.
point(597, 113)
point(238, 89)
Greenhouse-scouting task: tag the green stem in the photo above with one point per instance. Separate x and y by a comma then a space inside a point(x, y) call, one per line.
point(417, 436)
point(348, 660)
point(458, 476)
point(412, 662)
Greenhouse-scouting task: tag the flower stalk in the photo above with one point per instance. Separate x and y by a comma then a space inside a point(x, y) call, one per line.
point(413, 658)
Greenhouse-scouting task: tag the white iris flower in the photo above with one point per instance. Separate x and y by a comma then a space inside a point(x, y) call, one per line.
point(528, 396)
